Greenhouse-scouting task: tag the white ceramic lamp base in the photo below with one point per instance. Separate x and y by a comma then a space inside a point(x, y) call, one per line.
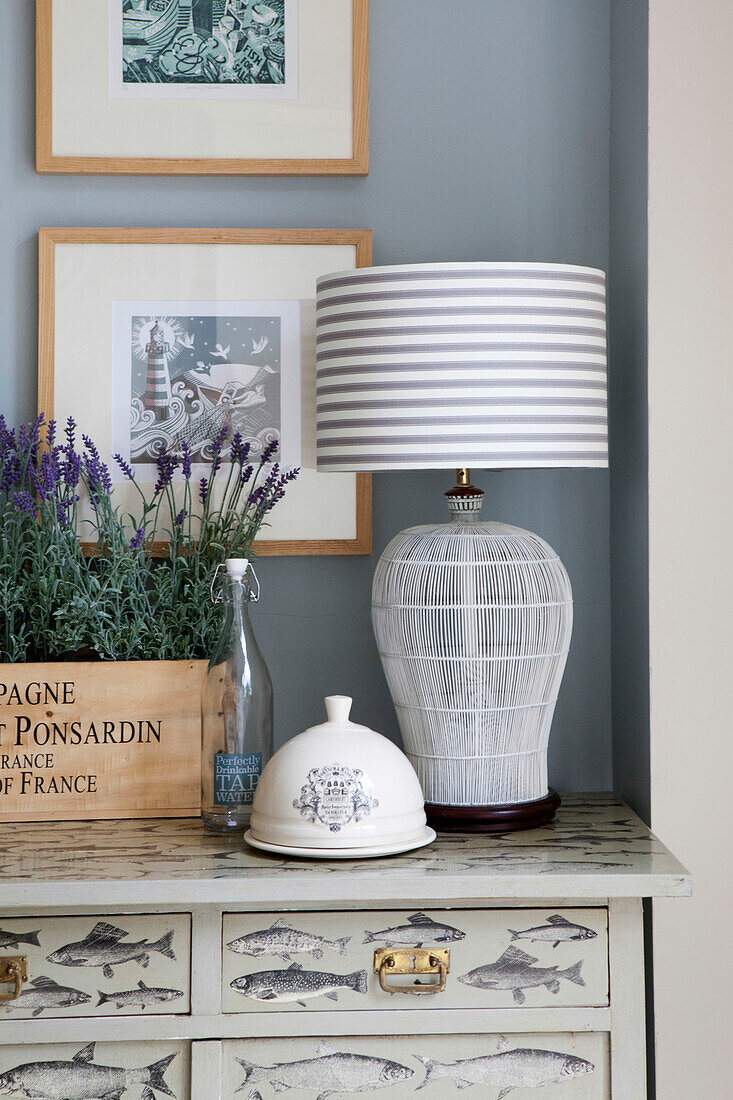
point(473, 622)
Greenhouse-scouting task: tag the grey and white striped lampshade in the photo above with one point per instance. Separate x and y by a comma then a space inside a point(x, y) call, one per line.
point(428, 366)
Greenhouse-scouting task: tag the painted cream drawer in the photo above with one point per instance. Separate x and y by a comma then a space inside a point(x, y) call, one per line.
point(105, 1070)
point(568, 1067)
point(100, 965)
point(499, 958)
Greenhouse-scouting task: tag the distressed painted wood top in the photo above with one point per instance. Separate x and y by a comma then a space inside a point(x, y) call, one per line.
point(595, 848)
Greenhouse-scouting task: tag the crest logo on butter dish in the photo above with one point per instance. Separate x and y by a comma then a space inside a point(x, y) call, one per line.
point(335, 796)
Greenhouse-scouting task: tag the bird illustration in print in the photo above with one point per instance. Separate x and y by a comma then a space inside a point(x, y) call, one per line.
point(259, 345)
point(221, 352)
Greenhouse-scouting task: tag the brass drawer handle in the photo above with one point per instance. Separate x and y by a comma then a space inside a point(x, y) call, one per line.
point(13, 968)
point(413, 961)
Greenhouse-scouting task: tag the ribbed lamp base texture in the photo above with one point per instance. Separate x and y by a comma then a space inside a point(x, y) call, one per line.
point(473, 621)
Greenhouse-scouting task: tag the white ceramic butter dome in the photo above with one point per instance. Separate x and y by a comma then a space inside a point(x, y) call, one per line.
point(339, 789)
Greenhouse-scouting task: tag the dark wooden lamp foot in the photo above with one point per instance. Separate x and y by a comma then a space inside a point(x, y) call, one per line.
point(493, 819)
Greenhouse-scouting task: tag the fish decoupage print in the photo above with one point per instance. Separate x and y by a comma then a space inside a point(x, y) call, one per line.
point(435, 1066)
point(81, 966)
point(557, 930)
point(107, 946)
point(330, 1071)
point(418, 930)
point(474, 938)
point(282, 941)
point(513, 1067)
point(296, 984)
point(110, 1071)
point(515, 970)
point(143, 997)
point(44, 993)
point(10, 939)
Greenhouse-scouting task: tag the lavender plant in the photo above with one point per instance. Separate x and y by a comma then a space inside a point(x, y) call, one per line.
point(126, 600)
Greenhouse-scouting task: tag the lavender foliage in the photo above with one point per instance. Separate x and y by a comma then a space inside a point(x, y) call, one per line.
point(111, 584)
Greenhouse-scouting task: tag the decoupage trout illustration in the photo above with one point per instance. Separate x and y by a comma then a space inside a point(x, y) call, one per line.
point(512, 1068)
point(104, 947)
point(283, 941)
point(557, 930)
point(296, 984)
point(330, 1073)
point(81, 1079)
point(47, 994)
point(515, 970)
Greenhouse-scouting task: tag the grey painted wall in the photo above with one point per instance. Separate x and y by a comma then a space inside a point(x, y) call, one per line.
point(628, 403)
point(490, 125)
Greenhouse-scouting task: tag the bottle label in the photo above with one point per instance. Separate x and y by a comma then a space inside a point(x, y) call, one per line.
point(236, 776)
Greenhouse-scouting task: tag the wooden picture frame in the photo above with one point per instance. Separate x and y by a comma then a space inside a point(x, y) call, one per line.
point(358, 243)
point(357, 164)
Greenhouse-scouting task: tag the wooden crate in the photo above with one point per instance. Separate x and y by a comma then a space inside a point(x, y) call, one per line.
point(100, 739)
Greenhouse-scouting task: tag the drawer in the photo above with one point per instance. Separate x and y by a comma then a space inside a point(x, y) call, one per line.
point(100, 965)
point(108, 1070)
point(499, 958)
point(568, 1067)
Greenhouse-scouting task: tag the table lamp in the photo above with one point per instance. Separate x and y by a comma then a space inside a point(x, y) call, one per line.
point(488, 365)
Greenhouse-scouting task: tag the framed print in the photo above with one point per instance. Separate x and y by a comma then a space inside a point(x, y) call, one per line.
point(231, 87)
point(151, 338)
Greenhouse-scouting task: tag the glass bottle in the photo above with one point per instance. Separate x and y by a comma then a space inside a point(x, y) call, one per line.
point(236, 710)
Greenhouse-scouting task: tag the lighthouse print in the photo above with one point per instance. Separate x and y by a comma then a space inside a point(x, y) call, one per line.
point(157, 395)
point(197, 372)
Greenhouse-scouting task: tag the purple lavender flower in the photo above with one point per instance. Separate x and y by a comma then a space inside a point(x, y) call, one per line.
point(219, 439)
point(25, 502)
point(269, 450)
point(137, 539)
point(71, 470)
point(167, 464)
point(51, 433)
point(11, 472)
point(70, 433)
point(236, 446)
point(125, 467)
point(246, 474)
point(47, 477)
point(62, 512)
point(203, 489)
point(97, 474)
point(181, 516)
point(186, 461)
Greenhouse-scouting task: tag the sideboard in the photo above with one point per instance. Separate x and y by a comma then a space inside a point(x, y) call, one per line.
point(162, 961)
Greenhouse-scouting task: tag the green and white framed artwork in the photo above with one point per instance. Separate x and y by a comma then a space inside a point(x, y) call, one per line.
point(231, 87)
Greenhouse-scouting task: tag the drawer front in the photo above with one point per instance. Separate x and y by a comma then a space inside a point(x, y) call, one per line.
point(499, 958)
point(100, 965)
point(105, 1070)
point(568, 1067)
